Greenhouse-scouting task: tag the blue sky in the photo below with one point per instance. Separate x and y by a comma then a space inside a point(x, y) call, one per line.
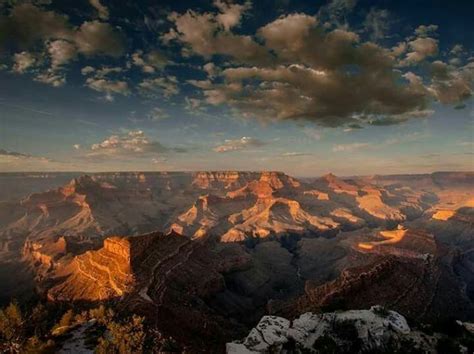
point(305, 87)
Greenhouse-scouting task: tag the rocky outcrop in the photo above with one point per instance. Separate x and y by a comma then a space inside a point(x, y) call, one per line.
point(357, 331)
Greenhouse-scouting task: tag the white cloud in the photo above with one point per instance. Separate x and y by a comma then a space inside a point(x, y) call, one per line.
point(131, 144)
point(350, 147)
point(61, 52)
point(87, 70)
point(108, 86)
point(294, 154)
point(230, 14)
point(95, 38)
point(239, 144)
point(425, 31)
point(421, 48)
point(23, 62)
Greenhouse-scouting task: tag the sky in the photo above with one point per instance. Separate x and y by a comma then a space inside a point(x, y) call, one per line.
point(353, 87)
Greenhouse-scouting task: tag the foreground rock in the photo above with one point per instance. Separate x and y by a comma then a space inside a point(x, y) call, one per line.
point(356, 331)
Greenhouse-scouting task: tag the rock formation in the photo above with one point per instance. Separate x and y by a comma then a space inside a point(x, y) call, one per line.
point(357, 331)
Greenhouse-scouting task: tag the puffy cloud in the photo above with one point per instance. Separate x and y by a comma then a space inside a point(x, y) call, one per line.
point(131, 144)
point(239, 144)
point(61, 52)
point(87, 70)
point(421, 48)
point(108, 86)
point(50, 77)
point(329, 98)
point(27, 24)
point(102, 10)
point(425, 31)
point(230, 14)
point(149, 62)
point(202, 34)
point(211, 69)
point(296, 68)
point(96, 37)
point(350, 147)
point(160, 86)
point(452, 85)
point(23, 62)
point(457, 49)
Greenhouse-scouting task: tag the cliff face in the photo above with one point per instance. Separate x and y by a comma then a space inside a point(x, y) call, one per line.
point(405, 270)
point(167, 278)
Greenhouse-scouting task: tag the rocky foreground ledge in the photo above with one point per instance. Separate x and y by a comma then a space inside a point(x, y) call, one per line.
point(357, 331)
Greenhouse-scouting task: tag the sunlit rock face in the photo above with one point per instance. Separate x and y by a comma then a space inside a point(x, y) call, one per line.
point(166, 277)
point(229, 205)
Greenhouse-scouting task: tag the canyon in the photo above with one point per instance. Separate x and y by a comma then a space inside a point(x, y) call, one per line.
point(205, 255)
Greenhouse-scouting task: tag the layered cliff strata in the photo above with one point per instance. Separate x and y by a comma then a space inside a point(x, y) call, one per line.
point(168, 278)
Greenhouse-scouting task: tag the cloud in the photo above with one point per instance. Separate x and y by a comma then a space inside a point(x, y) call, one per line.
point(204, 35)
point(52, 78)
point(294, 154)
point(160, 86)
point(157, 114)
point(377, 23)
point(350, 147)
point(336, 12)
point(96, 37)
point(149, 62)
point(243, 143)
point(12, 156)
point(131, 144)
point(421, 48)
point(457, 49)
point(337, 81)
point(87, 70)
point(61, 52)
point(108, 86)
point(230, 14)
point(102, 10)
point(27, 24)
point(24, 61)
point(425, 31)
point(451, 85)
point(194, 105)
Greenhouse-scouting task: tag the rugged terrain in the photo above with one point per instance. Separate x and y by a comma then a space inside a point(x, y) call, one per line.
point(205, 255)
